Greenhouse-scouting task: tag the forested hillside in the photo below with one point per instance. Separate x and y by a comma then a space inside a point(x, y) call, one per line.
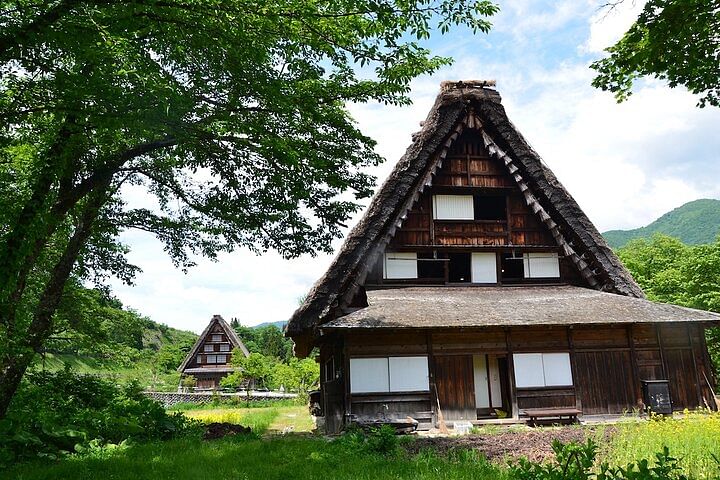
point(693, 223)
point(99, 335)
point(670, 271)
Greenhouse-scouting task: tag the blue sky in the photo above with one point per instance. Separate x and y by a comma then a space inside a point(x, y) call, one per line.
point(625, 164)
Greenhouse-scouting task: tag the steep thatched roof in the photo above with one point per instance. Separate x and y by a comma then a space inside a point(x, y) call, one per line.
point(459, 105)
point(468, 307)
point(231, 334)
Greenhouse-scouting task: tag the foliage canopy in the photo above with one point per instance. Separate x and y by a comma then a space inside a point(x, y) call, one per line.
point(211, 124)
point(673, 40)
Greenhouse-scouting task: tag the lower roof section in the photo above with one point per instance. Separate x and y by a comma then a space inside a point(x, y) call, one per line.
point(442, 307)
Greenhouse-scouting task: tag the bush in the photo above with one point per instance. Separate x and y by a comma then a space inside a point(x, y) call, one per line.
point(382, 440)
point(55, 414)
point(574, 461)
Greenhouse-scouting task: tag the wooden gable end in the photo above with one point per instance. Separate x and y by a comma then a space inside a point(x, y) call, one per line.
point(469, 170)
point(215, 349)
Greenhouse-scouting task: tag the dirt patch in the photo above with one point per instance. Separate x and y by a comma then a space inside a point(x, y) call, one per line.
point(534, 444)
point(219, 430)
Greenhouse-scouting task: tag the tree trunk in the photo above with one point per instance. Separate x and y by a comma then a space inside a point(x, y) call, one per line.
point(13, 367)
point(94, 189)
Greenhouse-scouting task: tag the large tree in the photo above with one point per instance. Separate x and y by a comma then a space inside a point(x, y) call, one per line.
point(225, 119)
point(673, 40)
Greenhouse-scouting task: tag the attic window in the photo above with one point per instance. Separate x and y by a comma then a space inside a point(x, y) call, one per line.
point(224, 347)
point(217, 338)
point(469, 207)
point(453, 207)
point(208, 348)
point(490, 207)
point(216, 358)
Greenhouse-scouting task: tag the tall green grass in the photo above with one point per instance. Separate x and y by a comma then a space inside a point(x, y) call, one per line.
point(258, 419)
point(694, 439)
point(280, 458)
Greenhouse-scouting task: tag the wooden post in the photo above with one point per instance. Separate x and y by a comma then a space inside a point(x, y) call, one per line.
point(698, 387)
point(508, 219)
point(633, 362)
point(434, 400)
point(469, 180)
point(707, 369)
point(573, 365)
point(511, 376)
point(658, 335)
point(346, 380)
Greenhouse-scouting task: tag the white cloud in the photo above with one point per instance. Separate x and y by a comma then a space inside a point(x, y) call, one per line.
point(608, 25)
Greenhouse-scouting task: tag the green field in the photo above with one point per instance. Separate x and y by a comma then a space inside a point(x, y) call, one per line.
point(284, 448)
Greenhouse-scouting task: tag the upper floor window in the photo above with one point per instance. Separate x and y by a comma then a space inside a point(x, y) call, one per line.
point(541, 265)
point(399, 265)
point(469, 207)
point(224, 347)
point(530, 265)
point(208, 348)
point(453, 207)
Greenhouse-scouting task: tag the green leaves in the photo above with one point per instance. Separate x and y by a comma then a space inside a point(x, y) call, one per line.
point(669, 271)
point(574, 461)
point(55, 414)
point(227, 119)
point(673, 40)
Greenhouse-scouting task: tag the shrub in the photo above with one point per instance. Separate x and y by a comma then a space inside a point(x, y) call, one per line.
point(55, 414)
point(382, 440)
point(575, 461)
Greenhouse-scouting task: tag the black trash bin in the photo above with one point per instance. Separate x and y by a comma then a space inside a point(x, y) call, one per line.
point(656, 395)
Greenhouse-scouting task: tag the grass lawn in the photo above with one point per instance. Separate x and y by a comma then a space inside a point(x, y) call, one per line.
point(300, 455)
point(282, 458)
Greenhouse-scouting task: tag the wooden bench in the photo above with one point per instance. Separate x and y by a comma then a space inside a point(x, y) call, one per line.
point(534, 414)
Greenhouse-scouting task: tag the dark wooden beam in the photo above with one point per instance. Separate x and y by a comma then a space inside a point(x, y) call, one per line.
point(698, 386)
point(633, 361)
point(511, 375)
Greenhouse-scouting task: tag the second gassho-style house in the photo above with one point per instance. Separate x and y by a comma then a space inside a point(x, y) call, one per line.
point(476, 287)
point(210, 358)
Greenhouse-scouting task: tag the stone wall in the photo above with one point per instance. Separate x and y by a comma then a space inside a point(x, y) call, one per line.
point(171, 398)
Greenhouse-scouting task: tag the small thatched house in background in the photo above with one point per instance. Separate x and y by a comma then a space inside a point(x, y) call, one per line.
point(475, 287)
point(209, 359)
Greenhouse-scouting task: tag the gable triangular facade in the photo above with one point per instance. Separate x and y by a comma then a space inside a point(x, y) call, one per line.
point(474, 284)
point(210, 357)
point(471, 111)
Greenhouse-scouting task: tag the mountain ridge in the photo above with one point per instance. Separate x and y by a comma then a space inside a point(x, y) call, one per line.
point(693, 223)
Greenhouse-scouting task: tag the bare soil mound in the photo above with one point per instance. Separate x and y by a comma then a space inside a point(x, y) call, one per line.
point(534, 444)
point(218, 430)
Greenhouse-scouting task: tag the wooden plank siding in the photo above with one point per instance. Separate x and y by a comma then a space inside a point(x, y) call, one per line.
point(468, 169)
point(608, 363)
